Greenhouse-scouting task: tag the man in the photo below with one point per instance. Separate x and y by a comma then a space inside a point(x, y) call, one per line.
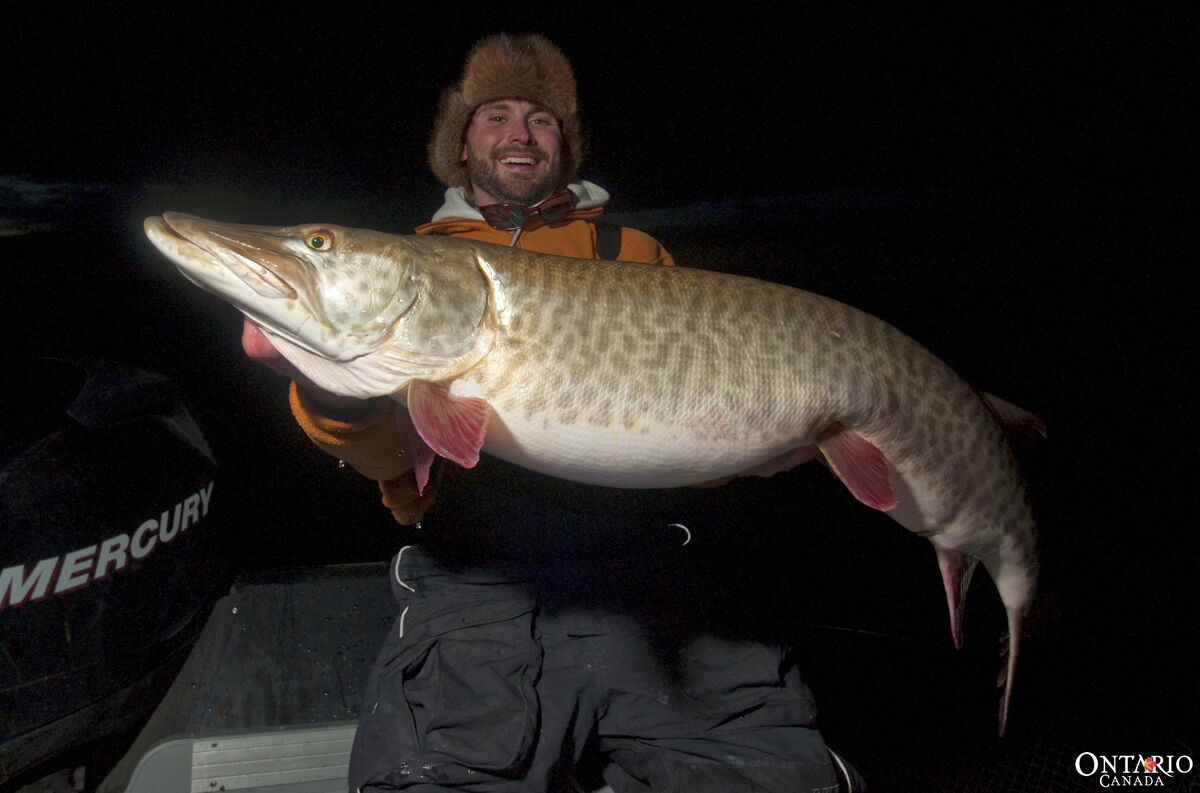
point(538, 617)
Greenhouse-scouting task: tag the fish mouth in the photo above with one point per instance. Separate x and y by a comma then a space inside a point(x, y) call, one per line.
point(196, 244)
point(261, 271)
point(252, 268)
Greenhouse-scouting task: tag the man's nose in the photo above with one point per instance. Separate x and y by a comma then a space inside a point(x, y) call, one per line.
point(520, 131)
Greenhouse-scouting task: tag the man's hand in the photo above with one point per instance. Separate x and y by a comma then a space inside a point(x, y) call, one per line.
point(259, 348)
point(401, 497)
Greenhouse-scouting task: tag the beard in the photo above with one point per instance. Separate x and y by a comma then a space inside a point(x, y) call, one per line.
point(527, 189)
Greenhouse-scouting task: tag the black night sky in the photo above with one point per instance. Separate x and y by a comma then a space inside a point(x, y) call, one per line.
point(1007, 185)
point(681, 109)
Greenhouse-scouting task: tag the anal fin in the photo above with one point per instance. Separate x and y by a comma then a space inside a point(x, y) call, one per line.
point(957, 568)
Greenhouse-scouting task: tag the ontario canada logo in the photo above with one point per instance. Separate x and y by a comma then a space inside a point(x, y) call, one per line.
point(1133, 770)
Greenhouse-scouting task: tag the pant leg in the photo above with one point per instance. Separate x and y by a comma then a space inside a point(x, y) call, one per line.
point(733, 715)
point(481, 687)
point(467, 693)
point(451, 701)
point(698, 692)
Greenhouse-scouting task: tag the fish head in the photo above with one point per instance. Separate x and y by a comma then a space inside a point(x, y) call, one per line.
point(329, 296)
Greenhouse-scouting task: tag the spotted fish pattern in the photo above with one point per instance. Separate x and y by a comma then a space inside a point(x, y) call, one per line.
point(635, 376)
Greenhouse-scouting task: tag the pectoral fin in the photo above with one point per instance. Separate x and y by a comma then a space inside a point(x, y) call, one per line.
point(417, 449)
point(453, 427)
point(860, 465)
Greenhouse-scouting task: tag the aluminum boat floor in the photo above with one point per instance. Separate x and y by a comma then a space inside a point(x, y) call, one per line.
point(286, 651)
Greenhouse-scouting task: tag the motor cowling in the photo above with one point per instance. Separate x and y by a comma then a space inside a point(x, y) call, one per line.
point(110, 555)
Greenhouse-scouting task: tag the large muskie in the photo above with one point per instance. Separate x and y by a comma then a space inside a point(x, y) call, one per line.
point(634, 376)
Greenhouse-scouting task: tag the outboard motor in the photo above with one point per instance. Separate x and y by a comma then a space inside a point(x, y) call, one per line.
point(110, 558)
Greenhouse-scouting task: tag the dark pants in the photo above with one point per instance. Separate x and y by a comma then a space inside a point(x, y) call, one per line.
point(496, 678)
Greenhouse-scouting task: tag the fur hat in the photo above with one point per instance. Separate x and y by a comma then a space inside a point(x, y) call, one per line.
point(528, 67)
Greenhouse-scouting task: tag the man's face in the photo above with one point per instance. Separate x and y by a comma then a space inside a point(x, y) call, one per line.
point(513, 152)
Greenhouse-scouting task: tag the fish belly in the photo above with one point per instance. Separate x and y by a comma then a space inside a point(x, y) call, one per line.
point(623, 449)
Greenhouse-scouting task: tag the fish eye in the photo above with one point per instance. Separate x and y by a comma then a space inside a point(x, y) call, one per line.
point(319, 240)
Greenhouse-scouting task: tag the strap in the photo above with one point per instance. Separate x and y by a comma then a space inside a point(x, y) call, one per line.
point(608, 240)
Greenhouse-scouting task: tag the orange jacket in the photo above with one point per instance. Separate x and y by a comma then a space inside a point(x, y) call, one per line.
point(574, 236)
point(373, 444)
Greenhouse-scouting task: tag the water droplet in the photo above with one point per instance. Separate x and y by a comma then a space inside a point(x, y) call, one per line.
point(341, 463)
